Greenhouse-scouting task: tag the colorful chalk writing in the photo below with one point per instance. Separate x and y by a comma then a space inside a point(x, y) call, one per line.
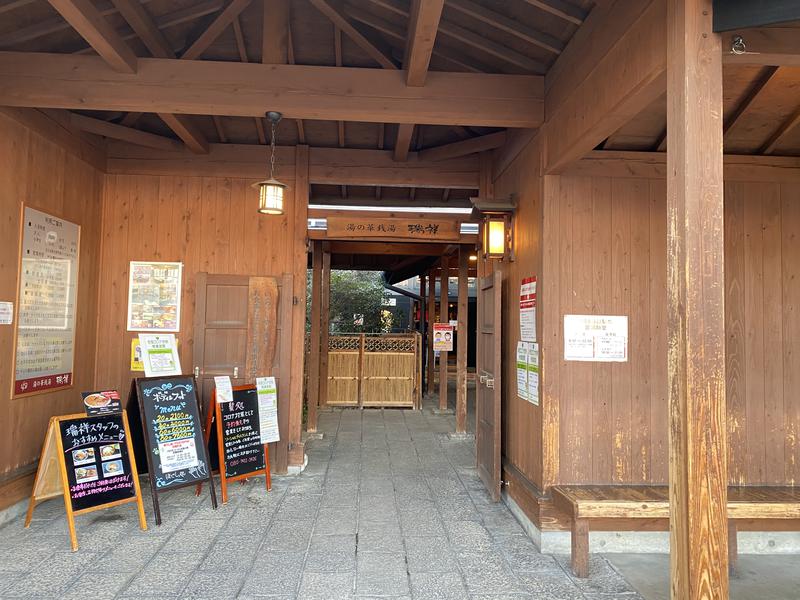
point(244, 452)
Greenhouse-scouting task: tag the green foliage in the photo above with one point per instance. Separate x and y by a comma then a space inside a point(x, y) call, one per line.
point(355, 293)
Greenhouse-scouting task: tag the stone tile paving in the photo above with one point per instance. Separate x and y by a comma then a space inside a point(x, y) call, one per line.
point(389, 507)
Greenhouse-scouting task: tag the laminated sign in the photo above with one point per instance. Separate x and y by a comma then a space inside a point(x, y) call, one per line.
point(596, 338)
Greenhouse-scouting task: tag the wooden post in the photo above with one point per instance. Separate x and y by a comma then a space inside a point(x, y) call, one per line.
point(361, 350)
point(431, 319)
point(696, 315)
point(463, 339)
point(423, 325)
point(314, 340)
point(443, 318)
point(325, 318)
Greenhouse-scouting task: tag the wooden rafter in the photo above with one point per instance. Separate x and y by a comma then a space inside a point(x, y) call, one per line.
point(143, 25)
point(341, 21)
point(93, 27)
point(131, 119)
point(187, 131)
point(249, 89)
point(220, 129)
point(766, 75)
point(511, 26)
point(402, 144)
point(464, 147)
point(275, 42)
point(126, 134)
point(772, 46)
point(301, 128)
point(214, 30)
point(422, 29)
point(13, 5)
point(560, 9)
point(775, 139)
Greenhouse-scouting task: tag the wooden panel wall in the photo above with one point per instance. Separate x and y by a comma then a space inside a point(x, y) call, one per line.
point(208, 223)
point(762, 306)
point(49, 177)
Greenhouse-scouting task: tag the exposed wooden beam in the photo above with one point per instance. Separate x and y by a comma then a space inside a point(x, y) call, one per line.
point(218, 25)
point(332, 166)
point(402, 144)
point(93, 27)
point(238, 34)
point(380, 248)
point(563, 10)
point(142, 24)
point(511, 26)
point(187, 131)
point(131, 119)
point(10, 5)
point(775, 139)
point(616, 86)
point(301, 128)
point(126, 134)
point(698, 480)
point(275, 32)
point(341, 21)
point(220, 129)
point(325, 93)
point(422, 29)
point(775, 46)
point(464, 147)
point(755, 89)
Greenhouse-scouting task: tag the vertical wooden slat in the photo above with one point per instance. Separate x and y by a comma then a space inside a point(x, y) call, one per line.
point(696, 322)
point(463, 339)
point(443, 318)
point(790, 238)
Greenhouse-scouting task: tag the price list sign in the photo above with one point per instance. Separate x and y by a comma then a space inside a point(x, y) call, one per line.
point(47, 297)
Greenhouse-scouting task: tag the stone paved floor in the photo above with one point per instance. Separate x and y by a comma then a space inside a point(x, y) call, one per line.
point(388, 507)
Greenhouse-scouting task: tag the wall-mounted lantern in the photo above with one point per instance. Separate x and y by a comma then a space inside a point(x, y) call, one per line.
point(497, 227)
point(271, 191)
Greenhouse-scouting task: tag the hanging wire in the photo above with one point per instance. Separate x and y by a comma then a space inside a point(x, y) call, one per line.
point(272, 150)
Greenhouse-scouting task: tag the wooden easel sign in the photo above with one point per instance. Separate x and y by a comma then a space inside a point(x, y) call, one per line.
point(88, 460)
point(242, 452)
point(173, 436)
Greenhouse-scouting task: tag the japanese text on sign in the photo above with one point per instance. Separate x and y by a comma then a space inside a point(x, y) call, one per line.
point(596, 338)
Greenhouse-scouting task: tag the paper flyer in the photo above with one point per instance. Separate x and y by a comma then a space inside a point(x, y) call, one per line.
point(268, 409)
point(596, 338)
point(224, 388)
point(527, 309)
point(522, 370)
point(159, 354)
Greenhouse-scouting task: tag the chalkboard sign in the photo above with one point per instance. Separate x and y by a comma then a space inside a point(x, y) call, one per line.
point(97, 461)
point(173, 437)
point(88, 460)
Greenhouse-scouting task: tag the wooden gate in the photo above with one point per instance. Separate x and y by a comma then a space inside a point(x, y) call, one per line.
point(487, 414)
point(375, 370)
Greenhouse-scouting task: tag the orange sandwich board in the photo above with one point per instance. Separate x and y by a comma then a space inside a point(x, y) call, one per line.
point(241, 453)
point(89, 461)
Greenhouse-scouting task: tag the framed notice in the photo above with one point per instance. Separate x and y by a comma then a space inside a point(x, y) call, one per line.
point(46, 301)
point(596, 338)
point(443, 337)
point(527, 309)
point(154, 296)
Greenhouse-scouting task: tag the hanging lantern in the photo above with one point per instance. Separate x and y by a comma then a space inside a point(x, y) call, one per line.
point(271, 191)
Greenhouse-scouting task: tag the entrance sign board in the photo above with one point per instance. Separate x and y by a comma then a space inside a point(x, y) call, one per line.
point(154, 296)
point(172, 434)
point(47, 297)
point(393, 228)
point(88, 460)
point(596, 338)
point(160, 354)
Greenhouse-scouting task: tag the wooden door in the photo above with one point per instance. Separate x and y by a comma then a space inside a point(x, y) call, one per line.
point(243, 329)
point(488, 427)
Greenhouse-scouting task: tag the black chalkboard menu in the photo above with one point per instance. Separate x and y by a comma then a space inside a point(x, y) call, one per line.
point(97, 461)
point(172, 434)
point(241, 434)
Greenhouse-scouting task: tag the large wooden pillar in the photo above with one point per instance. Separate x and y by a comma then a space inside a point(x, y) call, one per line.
point(431, 319)
point(324, 329)
point(443, 318)
point(463, 339)
point(314, 339)
point(695, 296)
point(423, 325)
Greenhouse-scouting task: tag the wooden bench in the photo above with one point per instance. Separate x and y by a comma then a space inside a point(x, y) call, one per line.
point(639, 507)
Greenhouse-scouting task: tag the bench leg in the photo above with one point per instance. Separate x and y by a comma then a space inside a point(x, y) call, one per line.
point(580, 547)
point(733, 547)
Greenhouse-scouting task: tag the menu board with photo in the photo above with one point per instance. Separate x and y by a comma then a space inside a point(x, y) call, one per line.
point(47, 298)
point(154, 296)
point(97, 460)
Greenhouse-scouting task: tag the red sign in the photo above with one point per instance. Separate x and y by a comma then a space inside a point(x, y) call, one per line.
point(45, 382)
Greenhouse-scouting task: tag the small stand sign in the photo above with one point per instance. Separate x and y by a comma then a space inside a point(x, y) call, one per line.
point(242, 452)
point(88, 460)
point(102, 403)
point(173, 439)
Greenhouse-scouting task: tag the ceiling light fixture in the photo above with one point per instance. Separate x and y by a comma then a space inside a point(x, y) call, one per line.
point(271, 191)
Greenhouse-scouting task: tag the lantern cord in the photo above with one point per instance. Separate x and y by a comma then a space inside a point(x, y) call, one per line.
point(272, 149)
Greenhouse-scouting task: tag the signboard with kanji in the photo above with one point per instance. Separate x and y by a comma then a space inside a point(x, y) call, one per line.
point(393, 228)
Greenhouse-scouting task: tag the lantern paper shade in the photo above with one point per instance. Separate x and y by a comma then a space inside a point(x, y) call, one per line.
point(495, 237)
point(270, 197)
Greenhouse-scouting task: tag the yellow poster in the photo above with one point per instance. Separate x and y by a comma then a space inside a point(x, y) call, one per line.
point(136, 355)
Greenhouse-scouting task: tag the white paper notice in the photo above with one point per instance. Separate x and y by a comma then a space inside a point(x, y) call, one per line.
point(224, 388)
point(527, 310)
point(159, 354)
point(177, 455)
point(522, 370)
point(268, 409)
point(597, 338)
point(533, 374)
point(6, 313)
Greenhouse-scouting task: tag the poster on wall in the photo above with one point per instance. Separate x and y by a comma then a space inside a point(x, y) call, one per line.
point(160, 354)
point(47, 298)
point(522, 370)
point(527, 309)
point(528, 372)
point(443, 337)
point(596, 338)
point(154, 296)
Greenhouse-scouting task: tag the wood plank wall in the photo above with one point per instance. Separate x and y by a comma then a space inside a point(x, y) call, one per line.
point(208, 223)
point(49, 177)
